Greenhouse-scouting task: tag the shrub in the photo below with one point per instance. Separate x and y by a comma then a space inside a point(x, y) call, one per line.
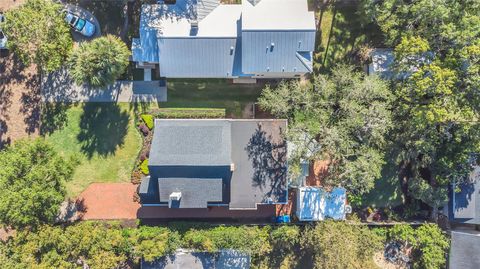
point(144, 167)
point(144, 129)
point(189, 113)
point(252, 240)
point(143, 156)
point(137, 177)
point(354, 245)
point(285, 237)
point(428, 241)
point(151, 243)
point(148, 120)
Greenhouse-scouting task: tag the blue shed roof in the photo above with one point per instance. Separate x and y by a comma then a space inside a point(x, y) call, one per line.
point(314, 204)
point(276, 51)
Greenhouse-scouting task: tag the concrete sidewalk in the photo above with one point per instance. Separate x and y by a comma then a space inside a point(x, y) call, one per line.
point(59, 87)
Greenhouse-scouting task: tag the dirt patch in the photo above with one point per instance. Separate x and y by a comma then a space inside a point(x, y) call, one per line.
point(19, 100)
point(5, 234)
point(318, 171)
point(381, 262)
point(248, 112)
point(9, 4)
point(107, 201)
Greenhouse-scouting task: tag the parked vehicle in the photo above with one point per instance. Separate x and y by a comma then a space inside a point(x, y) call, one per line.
point(3, 37)
point(80, 25)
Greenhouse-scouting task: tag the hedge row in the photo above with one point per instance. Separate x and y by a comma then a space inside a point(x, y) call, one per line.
point(328, 244)
point(188, 113)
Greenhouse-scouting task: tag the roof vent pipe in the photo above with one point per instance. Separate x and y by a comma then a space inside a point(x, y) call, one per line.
point(193, 27)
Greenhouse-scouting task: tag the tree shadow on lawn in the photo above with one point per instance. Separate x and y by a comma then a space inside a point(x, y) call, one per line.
point(349, 30)
point(103, 127)
point(54, 117)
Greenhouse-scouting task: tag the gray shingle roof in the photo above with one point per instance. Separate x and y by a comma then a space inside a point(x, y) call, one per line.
point(188, 154)
point(259, 153)
point(464, 250)
point(191, 142)
point(196, 192)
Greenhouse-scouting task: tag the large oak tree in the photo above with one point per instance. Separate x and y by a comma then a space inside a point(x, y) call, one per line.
point(345, 115)
point(32, 180)
point(38, 34)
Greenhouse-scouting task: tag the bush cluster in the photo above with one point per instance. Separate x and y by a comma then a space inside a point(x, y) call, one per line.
point(189, 113)
point(327, 244)
point(144, 167)
point(148, 120)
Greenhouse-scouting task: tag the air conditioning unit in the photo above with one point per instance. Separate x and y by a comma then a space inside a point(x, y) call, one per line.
point(348, 209)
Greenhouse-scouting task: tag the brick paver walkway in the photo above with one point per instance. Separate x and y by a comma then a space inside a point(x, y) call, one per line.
point(106, 201)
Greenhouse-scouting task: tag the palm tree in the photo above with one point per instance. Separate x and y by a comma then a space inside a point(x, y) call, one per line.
point(99, 62)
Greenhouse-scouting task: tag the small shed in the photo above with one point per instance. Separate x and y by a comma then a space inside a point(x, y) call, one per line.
point(316, 204)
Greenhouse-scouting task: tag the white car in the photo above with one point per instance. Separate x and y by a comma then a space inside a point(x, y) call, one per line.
point(3, 37)
point(80, 25)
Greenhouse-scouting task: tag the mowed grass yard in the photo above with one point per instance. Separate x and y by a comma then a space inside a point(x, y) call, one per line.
point(341, 31)
point(212, 93)
point(103, 138)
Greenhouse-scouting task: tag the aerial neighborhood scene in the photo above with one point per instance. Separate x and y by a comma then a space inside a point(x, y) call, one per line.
point(166, 134)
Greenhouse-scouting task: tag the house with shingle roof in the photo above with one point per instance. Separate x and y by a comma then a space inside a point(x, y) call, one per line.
point(207, 39)
point(235, 164)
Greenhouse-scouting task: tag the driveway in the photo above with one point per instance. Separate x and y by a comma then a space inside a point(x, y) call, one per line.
point(59, 87)
point(86, 15)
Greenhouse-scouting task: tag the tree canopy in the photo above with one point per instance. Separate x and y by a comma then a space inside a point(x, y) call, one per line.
point(346, 114)
point(443, 23)
point(428, 241)
point(38, 34)
point(327, 244)
point(32, 180)
point(437, 130)
point(99, 62)
point(340, 245)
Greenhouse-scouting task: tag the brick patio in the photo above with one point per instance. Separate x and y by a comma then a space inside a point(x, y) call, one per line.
point(107, 201)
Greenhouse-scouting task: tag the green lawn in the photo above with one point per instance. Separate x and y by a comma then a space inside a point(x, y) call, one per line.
point(211, 93)
point(387, 192)
point(342, 30)
point(103, 137)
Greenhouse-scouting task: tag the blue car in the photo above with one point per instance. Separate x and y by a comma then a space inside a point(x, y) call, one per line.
point(80, 25)
point(3, 37)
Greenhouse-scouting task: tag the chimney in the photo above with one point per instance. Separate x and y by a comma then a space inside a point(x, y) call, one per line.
point(174, 199)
